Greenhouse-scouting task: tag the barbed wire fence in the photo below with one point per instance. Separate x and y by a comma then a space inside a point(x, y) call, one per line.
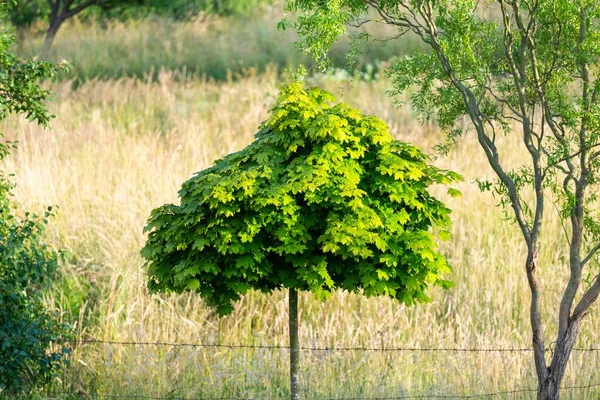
point(59, 395)
point(333, 348)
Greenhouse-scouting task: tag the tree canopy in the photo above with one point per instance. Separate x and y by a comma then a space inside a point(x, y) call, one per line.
point(323, 199)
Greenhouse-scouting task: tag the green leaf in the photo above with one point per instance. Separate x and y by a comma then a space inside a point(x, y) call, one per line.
point(192, 284)
point(454, 193)
point(444, 235)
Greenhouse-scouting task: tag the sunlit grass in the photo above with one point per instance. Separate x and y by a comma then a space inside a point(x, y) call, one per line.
point(119, 148)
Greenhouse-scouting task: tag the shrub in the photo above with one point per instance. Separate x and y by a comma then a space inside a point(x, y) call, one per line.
point(27, 265)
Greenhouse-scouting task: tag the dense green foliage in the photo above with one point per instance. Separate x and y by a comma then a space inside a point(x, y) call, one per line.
point(27, 329)
point(26, 263)
point(323, 199)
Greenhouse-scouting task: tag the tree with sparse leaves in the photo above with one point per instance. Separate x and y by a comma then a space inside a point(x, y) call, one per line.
point(27, 265)
point(531, 72)
point(323, 199)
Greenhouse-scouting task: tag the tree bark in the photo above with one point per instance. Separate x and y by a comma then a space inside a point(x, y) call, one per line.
point(51, 33)
point(60, 11)
point(294, 345)
point(549, 388)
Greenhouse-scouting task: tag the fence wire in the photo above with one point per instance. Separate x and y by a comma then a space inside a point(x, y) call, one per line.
point(326, 349)
point(424, 397)
point(333, 348)
point(117, 396)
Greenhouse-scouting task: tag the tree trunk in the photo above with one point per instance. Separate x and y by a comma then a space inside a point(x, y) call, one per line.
point(549, 388)
point(55, 23)
point(294, 345)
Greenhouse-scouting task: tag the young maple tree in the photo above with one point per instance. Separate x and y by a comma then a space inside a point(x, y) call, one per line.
point(323, 199)
point(530, 68)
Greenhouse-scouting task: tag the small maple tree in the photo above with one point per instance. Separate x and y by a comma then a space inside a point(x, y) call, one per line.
point(323, 199)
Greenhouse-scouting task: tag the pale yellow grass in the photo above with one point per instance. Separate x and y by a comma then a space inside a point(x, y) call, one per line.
point(120, 148)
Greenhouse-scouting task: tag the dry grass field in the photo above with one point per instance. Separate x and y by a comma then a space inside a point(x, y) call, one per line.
point(119, 148)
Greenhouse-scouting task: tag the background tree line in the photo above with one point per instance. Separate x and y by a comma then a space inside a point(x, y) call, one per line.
point(56, 12)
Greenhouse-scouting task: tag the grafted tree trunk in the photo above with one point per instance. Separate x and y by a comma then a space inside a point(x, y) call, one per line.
point(294, 345)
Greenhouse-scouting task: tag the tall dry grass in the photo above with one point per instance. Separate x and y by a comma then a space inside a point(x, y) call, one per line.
point(119, 148)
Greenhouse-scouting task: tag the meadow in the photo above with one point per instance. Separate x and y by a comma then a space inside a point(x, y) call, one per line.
point(121, 146)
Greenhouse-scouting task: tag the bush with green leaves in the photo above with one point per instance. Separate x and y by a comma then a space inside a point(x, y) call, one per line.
point(27, 329)
point(323, 199)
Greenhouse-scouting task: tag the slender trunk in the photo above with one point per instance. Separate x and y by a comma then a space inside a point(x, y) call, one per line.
point(51, 33)
point(294, 345)
point(537, 329)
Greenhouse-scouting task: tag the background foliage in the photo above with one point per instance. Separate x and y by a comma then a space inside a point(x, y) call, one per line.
point(204, 45)
point(28, 12)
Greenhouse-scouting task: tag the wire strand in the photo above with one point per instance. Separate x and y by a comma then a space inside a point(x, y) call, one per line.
point(413, 397)
point(305, 348)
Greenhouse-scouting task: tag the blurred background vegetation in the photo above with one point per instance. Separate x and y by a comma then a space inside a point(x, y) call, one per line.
point(215, 39)
point(28, 12)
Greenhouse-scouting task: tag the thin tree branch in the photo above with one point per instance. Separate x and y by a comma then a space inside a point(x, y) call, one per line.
point(589, 297)
point(388, 39)
point(571, 156)
point(358, 24)
point(590, 254)
point(79, 8)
